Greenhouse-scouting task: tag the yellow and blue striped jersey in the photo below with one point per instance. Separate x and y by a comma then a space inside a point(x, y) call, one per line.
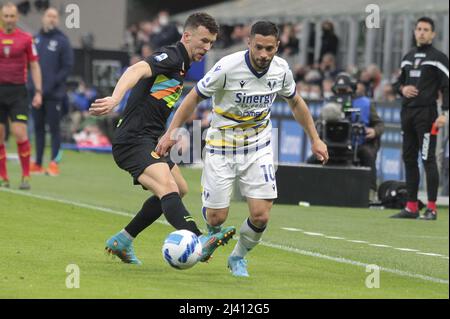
point(242, 99)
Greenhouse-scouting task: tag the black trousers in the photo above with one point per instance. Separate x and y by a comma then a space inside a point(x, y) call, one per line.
point(49, 113)
point(419, 140)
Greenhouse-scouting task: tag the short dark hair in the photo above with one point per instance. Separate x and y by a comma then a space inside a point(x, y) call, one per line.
point(265, 28)
point(427, 20)
point(202, 19)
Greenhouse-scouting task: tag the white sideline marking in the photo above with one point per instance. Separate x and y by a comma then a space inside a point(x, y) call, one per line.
point(313, 234)
point(430, 254)
point(368, 243)
point(267, 244)
point(335, 237)
point(292, 229)
point(355, 263)
point(380, 245)
point(407, 249)
point(358, 241)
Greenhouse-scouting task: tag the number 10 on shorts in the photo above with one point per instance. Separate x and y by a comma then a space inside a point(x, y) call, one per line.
point(269, 173)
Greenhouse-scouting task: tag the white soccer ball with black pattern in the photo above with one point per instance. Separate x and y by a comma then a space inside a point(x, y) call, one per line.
point(182, 249)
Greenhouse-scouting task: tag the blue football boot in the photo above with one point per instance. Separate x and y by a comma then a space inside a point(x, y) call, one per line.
point(238, 266)
point(121, 246)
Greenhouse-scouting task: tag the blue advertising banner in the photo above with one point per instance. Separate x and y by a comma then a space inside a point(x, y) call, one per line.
point(290, 142)
point(391, 167)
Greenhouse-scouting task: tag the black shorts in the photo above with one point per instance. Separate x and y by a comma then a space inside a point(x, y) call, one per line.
point(13, 103)
point(135, 158)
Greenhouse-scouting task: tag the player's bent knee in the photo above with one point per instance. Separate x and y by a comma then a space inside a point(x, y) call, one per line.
point(183, 189)
point(217, 217)
point(260, 214)
point(168, 187)
point(260, 220)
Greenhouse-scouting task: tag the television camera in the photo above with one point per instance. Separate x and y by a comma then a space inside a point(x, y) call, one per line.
point(340, 125)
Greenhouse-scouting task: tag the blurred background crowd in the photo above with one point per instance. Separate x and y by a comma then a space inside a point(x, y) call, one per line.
point(318, 42)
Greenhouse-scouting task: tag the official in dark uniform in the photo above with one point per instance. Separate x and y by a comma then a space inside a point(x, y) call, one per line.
point(56, 60)
point(424, 72)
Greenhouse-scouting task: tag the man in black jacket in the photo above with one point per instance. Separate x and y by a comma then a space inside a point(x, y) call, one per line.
point(424, 72)
point(56, 60)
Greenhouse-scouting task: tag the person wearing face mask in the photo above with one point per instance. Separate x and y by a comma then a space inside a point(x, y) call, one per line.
point(56, 60)
point(315, 92)
point(168, 32)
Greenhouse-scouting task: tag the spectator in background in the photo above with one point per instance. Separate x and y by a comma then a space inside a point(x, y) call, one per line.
point(239, 34)
point(131, 38)
point(224, 37)
point(315, 92)
point(388, 93)
point(56, 60)
point(146, 51)
point(371, 77)
point(17, 53)
point(143, 35)
point(80, 101)
point(327, 88)
point(313, 77)
point(327, 66)
point(303, 89)
point(166, 33)
point(300, 72)
point(108, 123)
point(330, 41)
point(289, 44)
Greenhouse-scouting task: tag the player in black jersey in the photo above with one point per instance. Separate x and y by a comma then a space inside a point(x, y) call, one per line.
point(156, 85)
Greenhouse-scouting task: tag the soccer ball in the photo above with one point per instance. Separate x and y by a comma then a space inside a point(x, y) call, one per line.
point(182, 249)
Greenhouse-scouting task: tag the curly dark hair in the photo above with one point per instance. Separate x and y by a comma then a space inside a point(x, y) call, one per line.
point(265, 28)
point(202, 19)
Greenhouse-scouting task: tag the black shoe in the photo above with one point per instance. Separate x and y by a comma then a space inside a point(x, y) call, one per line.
point(429, 215)
point(404, 213)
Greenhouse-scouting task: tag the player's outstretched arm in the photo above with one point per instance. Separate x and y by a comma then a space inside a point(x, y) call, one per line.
point(183, 113)
point(126, 82)
point(304, 118)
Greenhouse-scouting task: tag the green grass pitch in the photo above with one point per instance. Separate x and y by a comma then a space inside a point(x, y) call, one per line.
point(307, 252)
